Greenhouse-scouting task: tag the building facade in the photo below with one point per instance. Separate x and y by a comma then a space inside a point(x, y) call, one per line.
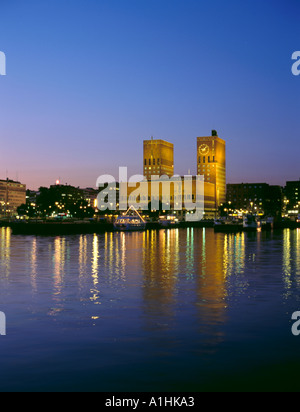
point(174, 197)
point(258, 198)
point(90, 195)
point(12, 195)
point(158, 158)
point(292, 198)
point(211, 163)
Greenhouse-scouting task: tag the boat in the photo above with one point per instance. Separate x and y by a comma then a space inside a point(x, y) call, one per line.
point(168, 221)
point(251, 223)
point(229, 226)
point(130, 221)
point(267, 223)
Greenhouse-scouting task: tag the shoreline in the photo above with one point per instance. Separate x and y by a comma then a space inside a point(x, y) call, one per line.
point(83, 228)
point(64, 228)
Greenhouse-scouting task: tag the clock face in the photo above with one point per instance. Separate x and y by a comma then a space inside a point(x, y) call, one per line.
point(204, 149)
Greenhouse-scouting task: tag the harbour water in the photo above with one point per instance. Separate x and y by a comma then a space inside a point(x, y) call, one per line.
point(162, 310)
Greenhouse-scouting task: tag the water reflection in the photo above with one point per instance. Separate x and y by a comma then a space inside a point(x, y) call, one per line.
point(210, 286)
point(34, 265)
point(291, 262)
point(287, 266)
point(234, 264)
point(160, 269)
point(95, 271)
point(59, 259)
point(82, 256)
point(5, 251)
point(163, 272)
point(164, 302)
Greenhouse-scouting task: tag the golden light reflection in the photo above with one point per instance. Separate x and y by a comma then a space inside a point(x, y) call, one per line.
point(234, 254)
point(297, 257)
point(123, 254)
point(95, 298)
point(82, 256)
point(5, 252)
point(59, 263)
point(160, 263)
point(109, 252)
point(95, 260)
point(116, 246)
point(33, 261)
point(211, 286)
point(234, 264)
point(287, 267)
point(190, 252)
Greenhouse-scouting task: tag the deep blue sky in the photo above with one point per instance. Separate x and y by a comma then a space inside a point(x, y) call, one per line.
point(88, 80)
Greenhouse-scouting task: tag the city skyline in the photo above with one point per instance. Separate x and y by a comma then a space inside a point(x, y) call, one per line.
point(88, 80)
point(136, 173)
point(149, 198)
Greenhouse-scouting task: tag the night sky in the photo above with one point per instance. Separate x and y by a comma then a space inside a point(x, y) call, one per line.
point(88, 80)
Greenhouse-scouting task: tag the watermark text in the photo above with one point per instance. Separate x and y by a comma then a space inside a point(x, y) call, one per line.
point(171, 193)
point(2, 64)
point(296, 65)
point(2, 324)
point(296, 324)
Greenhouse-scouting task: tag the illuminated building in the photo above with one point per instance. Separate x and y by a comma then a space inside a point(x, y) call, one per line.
point(158, 158)
point(158, 161)
point(173, 198)
point(12, 195)
point(211, 163)
point(90, 195)
point(292, 198)
point(258, 198)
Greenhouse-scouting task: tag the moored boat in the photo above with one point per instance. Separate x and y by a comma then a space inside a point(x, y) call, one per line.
point(267, 223)
point(251, 223)
point(228, 226)
point(130, 221)
point(168, 221)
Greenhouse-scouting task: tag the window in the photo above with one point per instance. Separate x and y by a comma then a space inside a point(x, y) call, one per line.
point(145, 162)
point(203, 159)
point(154, 162)
point(208, 159)
point(158, 161)
point(149, 162)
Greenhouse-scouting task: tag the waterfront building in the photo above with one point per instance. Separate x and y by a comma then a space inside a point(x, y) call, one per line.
point(158, 158)
point(168, 196)
point(12, 195)
point(258, 198)
point(90, 195)
point(292, 198)
point(31, 197)
point(63, 200)
point(211, 163)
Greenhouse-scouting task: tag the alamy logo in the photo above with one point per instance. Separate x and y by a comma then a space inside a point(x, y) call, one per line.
point(296, 65)
point(2, 324)
point(175, 192)
point(2, 64)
